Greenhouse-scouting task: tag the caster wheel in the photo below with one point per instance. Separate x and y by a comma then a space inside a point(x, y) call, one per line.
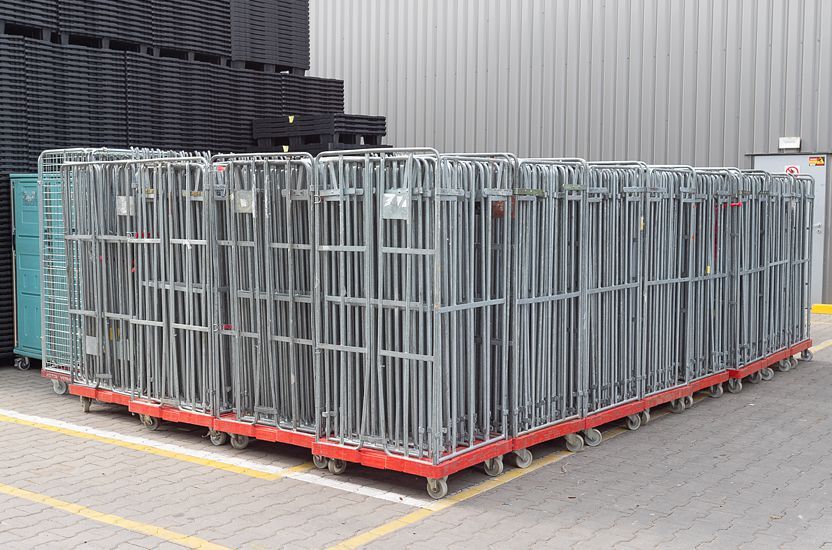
point(493, 466)
point(715, 391)
point(807, 355)
point(645, 417)
point(86, 402)
point(239, 442)
point(592, 437)
point(767, 374)
point(792, 363)
point(734, 385)
point(784, 365)
point(688, 399)
point(755, 377)
point(522, 458)
point(437, 488)
point(574, 442)
point(22, 363)
point(678, 406)
point(218, 438)
point(150, 422)
point(634, 422)
point(59, 387)
point(320, 462)
point(337, 466)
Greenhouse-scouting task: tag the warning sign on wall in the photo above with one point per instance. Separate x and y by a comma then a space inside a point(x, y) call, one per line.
point(793, 169)
point(817, 161)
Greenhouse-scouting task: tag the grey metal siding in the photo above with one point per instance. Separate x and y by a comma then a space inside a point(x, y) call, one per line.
point(704, 82)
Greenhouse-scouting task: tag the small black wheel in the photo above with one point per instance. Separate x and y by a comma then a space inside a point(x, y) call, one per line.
point(767, 374)
point(755, 377)
point(574, 442)
point(634, 422)
point(715, 391)
point(152, 423)
point(734, 385)
point(645, 417)
point(593, 437)
point(437, 488)
point(59, 387)
point(218, 438)
point(677, 406)
point(688, 399)
point(522, 458)
point(493, 466)
point(22, 363)
point(320, 462)
point(86, 402)
point(239, 442)
point(337, 466)
point(807, 355)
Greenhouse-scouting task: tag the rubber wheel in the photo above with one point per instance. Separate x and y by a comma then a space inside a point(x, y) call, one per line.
point(320, 462)
point(336, 466)
point(437, 488)
point(645, 417)
point(634, 422)
point(59, 387)
point(593, 437)
point(239, 442)
point(150, 422)
point(755, 377)
point(715, 391)
point(218, 438)
point(688, 399)
point(792, 363)
point(22, 363)
point(734, 385)
point(677, 406)
point(784, 365)
point(574, 442)
point(807, 355)
point(493, 466)
point(767, 374)
point(86, 402)
point(522, 458)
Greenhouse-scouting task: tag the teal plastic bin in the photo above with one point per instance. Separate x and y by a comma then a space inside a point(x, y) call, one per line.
point(26, 267)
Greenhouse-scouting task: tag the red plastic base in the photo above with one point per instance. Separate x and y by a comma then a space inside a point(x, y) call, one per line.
point(56, 375)
point(375, 458)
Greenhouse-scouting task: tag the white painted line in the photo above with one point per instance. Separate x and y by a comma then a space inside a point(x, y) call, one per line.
point(305, 477)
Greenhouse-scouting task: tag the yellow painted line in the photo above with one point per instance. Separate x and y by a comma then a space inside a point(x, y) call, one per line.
point(188, 541)
point(822, 309)
point(823, 345)
point(414, 517)
point(208, 463)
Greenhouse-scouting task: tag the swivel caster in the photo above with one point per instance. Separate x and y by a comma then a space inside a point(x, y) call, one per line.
point(592, 437)
point(336, 466)
point(688, 399)
point(22, 363)
point(59, 387)
point(784, 365)
point(239, 442)
point(677, 406)
point(755, 377)
point(715, 391)
point(522, 458)
point(152, 423)
point(734, 385)
point(86, 402)
point(493, 466)
point(574, 442)
point(438, 488)
point(320, 462)
point(218, 438)
point(792, 363)
point(634, 422)
point(807, 355)
point(645, 417)
point(767, 374)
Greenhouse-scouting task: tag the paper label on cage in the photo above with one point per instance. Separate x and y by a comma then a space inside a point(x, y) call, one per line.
point(396, 205)
point(125, 206)
point(91, 345)
point(244, 202)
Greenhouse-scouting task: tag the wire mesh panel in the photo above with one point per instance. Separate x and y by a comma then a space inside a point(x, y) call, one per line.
point(547, 378)
point(263, 220)
point(412, 282)
point(614, 239)
point(801, 206)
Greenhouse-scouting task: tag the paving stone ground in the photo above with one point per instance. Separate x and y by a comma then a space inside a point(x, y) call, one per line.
point(752, 470)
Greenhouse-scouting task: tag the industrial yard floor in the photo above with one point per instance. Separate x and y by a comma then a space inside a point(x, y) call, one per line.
point(753, 470)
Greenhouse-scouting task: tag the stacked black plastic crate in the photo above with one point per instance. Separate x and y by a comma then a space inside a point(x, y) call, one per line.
point(316, 133)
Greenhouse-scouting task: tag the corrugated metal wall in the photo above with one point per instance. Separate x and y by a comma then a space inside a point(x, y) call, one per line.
point(704, 82)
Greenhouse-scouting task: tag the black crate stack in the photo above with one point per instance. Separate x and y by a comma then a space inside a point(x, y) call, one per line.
point(317, 133)
point(184, 74)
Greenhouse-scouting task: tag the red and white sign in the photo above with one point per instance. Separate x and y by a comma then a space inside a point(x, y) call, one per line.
point(793, 169)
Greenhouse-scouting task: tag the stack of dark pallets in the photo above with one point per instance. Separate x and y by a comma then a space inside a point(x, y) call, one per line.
point(311, 133)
